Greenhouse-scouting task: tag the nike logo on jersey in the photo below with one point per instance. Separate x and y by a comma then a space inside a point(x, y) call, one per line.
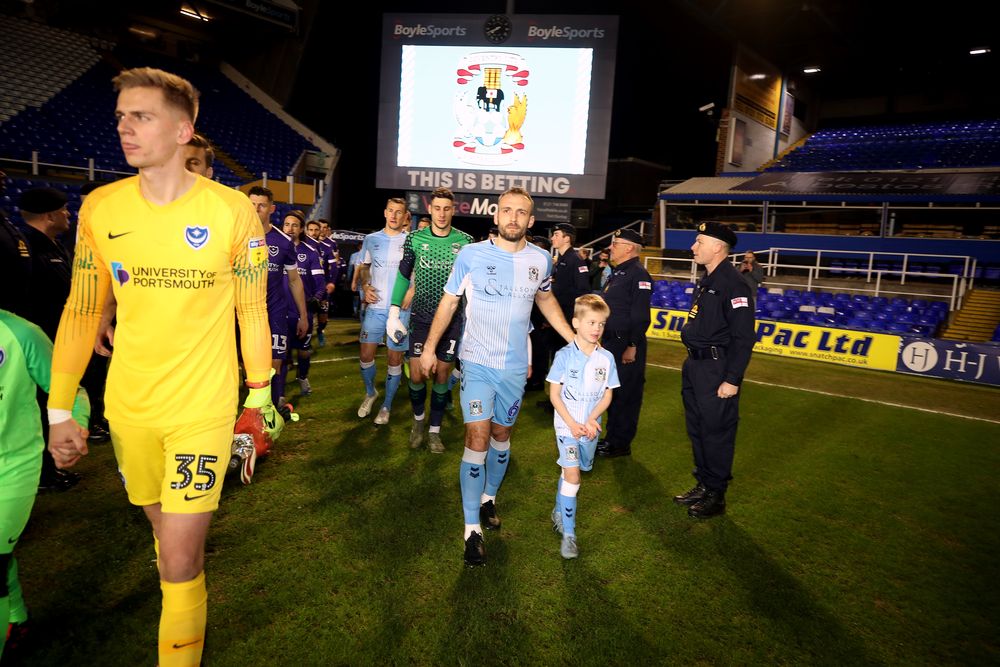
point(11, 540)
point(115, 236)
point(186, 644)
point(187, 497)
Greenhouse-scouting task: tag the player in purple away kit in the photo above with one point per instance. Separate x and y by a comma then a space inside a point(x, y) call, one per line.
point(281, 262)
point(314, 284)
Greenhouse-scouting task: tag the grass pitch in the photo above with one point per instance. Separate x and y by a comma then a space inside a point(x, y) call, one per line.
point(857, 533)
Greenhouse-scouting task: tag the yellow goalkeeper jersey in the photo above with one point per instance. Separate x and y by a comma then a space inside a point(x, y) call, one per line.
point(179, 273)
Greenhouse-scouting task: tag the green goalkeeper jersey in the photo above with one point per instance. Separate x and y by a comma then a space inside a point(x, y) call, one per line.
point(427, 261)
point(25, 363)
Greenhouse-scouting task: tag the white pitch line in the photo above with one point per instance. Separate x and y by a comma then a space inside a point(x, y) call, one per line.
point(786, 386)
point(323, 361)
point(856, 398)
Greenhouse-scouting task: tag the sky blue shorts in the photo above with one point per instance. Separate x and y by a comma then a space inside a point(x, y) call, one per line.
point(373, 329)
point(488, 393)
point(576, 453)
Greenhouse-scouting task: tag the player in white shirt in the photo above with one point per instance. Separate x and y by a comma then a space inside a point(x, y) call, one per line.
point(581, 379)
point(380, 256)
point(500, 279)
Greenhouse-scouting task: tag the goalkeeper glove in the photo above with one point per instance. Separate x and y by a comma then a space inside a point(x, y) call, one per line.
point(258, 405)
point(394, 327)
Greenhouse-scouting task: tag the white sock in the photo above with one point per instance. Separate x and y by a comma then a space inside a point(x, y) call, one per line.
point(484, 498)
point(470, 527)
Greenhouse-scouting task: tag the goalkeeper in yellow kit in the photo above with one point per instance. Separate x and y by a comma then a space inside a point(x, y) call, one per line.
point(182, 254)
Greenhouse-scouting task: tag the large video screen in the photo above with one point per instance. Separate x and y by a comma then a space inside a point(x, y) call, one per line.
point(532, 109)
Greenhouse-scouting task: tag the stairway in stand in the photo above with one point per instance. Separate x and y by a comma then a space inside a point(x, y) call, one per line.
point(978, 317)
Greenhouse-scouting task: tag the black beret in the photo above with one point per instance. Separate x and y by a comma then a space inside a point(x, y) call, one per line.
point(717, 230)
point(41, 200)
point(565, 228)
point(629, 235)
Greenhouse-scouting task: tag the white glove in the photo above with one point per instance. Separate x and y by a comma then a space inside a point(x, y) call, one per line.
point(394, 327)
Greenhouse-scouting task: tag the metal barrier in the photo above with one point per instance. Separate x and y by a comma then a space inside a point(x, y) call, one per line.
point(690, 273)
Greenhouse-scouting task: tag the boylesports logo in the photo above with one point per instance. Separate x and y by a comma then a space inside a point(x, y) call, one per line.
point(119, 273)
point(431, 31)
point(196, 237)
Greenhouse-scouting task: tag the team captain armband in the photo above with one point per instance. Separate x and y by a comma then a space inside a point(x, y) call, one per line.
point(257, 251)
point(740, 302)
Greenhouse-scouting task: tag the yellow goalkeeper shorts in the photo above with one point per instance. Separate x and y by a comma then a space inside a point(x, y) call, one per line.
point(180, 467)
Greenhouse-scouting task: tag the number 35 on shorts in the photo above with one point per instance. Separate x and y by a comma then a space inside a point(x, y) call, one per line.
point(187, 476)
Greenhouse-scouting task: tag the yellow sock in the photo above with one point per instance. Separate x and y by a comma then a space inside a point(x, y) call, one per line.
point(182, 622)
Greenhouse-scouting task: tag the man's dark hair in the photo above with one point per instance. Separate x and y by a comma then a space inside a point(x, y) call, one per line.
point(442, 193)
point(261, 191)
point(199, 141)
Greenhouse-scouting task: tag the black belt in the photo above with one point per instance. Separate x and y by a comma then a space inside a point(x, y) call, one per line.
point(712, 352)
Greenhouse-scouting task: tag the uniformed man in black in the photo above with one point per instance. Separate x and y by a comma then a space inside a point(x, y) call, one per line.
point(627, 293)
point(46, 217)
point(719, 336)
point(15, 264)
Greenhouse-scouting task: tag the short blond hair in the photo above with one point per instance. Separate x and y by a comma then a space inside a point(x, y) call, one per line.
point(177, 91)
point(519, 191)
point(591, 302)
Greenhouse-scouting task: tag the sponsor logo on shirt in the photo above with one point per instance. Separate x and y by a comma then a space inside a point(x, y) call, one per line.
point(170, 277)
point(644, 284)
point(196, 237)
point(257, 251)
point(118, 273)
point(740, 302)
point(582, 269)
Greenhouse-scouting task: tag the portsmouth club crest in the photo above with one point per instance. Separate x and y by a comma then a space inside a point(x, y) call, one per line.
point(490, 110)
point(196, 237)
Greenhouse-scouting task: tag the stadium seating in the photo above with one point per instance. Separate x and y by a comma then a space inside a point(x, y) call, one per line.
point(57, 99)
point(913, 146)
point(853, 311)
